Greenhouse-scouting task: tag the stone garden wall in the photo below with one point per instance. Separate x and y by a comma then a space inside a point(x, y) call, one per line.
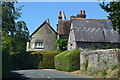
point(99, 59)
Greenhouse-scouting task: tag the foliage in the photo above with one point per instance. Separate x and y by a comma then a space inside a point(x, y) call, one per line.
point(85, 64)
point(113, 66)
point(6, 44)
point(8, 18)
point(92, 72)
point(48, 59)
point(108, 47)
point(68, 60)
point(61, 44)
point(104, 72)
point(25, 60)
point(21, 36)
point(113, 9)
point(5, 63)
point(92, 48)
point(16, 31)
point(33, 60)
point(111, 72)
point(10, 38)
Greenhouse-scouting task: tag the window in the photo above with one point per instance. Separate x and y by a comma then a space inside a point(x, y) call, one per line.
point(39, 45)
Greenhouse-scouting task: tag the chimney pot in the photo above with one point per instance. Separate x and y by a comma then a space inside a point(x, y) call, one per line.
point(80, 11)
point(60, 13)
point(84, 12)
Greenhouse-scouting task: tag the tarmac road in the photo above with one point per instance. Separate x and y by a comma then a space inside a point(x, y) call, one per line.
point(46, 75)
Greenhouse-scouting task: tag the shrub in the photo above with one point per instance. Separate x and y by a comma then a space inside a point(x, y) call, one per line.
point(48, 59)
point(68, 60)
point(92, 72)
point(25, 60)
point(61, 44)
point(85, 64)
point(92, 48)
point(103, 71)
point(109, 47)
point(113, 66)
point(5, 65)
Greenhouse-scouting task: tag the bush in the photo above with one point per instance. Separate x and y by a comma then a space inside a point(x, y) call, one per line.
point(68, 60)
point(113, 66)
point(5, 64)
point(48, 59)
point(109, 47)
point(25, 60)
point(61, 44)
point(85, 65)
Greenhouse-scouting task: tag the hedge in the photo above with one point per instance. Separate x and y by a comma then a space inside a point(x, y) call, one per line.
point(47, 60)
point(5, 64)
point(68, 60)
point(25, 60)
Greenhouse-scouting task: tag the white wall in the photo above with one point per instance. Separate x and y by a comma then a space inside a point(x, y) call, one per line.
point(71, 40)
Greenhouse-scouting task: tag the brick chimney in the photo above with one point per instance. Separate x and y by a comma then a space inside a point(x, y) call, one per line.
point(81, 14)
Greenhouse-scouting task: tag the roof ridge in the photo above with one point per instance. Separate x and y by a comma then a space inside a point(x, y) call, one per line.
point(97, 19)
point(45, 22)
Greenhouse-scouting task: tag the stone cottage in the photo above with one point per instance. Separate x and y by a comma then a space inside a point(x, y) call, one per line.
point(80, 32)
point(86, 33)
point(43, 38)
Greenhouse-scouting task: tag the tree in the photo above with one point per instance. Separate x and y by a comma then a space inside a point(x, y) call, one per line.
point(14, 34)
point(61, 44)
point(21, 37)
point(113, 9)
point(8, 29)
point(9, 15)
point(17, 31)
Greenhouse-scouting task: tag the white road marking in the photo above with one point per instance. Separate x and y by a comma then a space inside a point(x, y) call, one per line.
point(50, 78)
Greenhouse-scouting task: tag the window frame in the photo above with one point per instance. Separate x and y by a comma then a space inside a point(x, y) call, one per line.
point(39, 45)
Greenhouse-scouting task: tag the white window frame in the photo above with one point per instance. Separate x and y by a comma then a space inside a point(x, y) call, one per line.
point(39, 45)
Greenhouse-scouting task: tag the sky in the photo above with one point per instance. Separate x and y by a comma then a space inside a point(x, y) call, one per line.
point(35, 13)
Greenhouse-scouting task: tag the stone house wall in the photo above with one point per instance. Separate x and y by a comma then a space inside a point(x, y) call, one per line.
point(46, 35)
point(99, 59)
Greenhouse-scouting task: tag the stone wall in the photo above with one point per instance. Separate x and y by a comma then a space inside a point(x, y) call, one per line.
point(46, 35)
point(99, 59)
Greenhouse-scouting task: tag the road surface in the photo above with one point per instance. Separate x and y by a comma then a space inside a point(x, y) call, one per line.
point(46, 75)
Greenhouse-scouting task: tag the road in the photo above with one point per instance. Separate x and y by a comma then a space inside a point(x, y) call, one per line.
point(46, 75)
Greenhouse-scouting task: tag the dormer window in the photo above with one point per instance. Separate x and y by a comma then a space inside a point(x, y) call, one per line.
point(39, 45)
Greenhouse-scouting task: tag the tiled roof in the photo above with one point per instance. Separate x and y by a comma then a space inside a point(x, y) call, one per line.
point(94, 30)
point(64, 27)
point(42, 26)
